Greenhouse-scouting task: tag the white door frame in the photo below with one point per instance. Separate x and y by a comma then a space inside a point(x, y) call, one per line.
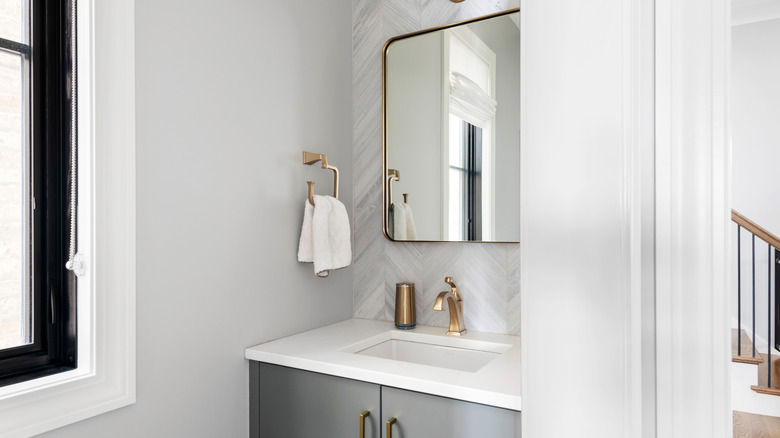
point(672, 317)
point(692, 182)
point(587, 197)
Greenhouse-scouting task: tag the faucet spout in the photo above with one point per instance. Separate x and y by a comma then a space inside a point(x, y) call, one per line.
point(439, 304)
point(455, 306)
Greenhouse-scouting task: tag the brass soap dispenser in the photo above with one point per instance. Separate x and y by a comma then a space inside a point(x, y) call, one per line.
point(404, 306)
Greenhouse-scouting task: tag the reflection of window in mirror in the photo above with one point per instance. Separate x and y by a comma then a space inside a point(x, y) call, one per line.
point(465, 180)
point(468, 177)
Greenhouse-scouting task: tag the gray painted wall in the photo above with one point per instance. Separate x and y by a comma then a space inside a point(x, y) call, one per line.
point(227, 97)
point(488, 275)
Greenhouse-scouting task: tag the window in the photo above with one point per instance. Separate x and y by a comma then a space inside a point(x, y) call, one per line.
point(104, 379)
point(37, 293)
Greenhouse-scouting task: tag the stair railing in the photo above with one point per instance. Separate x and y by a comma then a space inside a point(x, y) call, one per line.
point(773, 243)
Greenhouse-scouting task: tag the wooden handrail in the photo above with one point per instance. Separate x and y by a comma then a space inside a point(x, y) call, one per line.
point(756, 229)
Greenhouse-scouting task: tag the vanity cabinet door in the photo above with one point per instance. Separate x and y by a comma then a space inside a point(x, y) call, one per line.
point(287, 403)
point(427, 416)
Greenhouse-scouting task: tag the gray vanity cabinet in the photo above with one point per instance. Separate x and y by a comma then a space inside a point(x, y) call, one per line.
point(427, 416)
point(291, 403)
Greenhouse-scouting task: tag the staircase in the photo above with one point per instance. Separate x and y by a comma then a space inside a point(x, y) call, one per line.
point(760, 362)
point(737, 345)
point(756, 363)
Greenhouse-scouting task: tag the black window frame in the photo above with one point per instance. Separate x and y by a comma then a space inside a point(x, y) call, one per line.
point(471, 188)
point(53, 288)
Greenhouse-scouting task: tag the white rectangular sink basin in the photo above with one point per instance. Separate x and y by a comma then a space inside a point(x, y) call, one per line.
point(438, 351)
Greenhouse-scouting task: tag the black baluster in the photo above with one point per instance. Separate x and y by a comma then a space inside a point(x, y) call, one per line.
point(753, 334)
point(777, 300)
point(739, 290)
point(769, 313)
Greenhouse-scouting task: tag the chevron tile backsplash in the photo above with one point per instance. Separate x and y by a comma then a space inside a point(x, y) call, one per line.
point(488, 275)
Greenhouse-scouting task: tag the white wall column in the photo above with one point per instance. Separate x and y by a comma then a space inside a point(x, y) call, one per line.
point(692, 202)
point(587, 217)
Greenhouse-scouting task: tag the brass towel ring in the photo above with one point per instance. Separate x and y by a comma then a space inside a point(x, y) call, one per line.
point(309, 159)
point(311, 191)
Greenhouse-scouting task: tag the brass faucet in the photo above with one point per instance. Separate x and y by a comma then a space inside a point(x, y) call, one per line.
point(455, 305)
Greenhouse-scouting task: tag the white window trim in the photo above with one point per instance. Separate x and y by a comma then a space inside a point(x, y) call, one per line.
point(105, 377)
point(483, 51)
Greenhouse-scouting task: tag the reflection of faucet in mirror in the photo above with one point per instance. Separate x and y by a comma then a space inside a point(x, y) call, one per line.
point(455, 305)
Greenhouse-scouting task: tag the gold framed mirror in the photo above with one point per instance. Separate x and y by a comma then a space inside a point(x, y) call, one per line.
point(451, 132)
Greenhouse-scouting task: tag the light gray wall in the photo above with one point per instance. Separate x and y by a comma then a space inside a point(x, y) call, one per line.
point(414, 128)
point(488, 275)
point(228, 95)
point(755, 129)
point(503, 38)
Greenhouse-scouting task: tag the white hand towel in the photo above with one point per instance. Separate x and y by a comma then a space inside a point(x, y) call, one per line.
point(305, 248)
point(399, 221)
point(411, 228)
point(325, 236)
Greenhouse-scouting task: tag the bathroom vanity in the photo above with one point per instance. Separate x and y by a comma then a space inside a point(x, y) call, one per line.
point(366, 376)
point(450, 147)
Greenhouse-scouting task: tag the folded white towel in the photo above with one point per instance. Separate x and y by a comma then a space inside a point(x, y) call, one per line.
point(325, 236)
point(398, 216)
point(305, 244)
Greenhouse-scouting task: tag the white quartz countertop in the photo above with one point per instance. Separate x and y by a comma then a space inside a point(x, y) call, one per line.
point(328, 349)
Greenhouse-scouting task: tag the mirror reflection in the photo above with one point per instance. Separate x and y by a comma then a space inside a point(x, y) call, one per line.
point(452, 133)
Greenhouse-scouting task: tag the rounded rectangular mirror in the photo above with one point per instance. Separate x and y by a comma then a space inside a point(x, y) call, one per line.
point(451, 132)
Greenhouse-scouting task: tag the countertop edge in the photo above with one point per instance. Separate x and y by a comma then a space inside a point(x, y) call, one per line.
point(411, 383)
point(472, 395)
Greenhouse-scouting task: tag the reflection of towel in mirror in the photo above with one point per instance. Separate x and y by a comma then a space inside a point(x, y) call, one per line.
point(411, 229)
point(403, 227)
point(398, 219)
point(391, 222)
point(325, 235)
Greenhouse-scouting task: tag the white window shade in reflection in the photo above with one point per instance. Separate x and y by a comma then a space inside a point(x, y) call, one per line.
point(469, 102)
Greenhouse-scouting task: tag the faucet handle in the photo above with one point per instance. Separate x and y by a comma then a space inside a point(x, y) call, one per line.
point(454, 289)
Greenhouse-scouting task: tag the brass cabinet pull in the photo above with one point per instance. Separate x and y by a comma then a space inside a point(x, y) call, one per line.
point(390, 424)
point(363, 423)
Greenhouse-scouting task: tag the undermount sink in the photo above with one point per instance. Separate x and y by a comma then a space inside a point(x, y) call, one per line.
point(452, 353)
